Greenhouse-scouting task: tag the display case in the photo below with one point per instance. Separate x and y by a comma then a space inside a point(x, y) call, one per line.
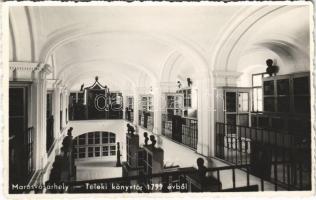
point(286, 104)
point(288, 93)
point(174, 103)
point(233, 105)
point(146, 114)
point(189, 101)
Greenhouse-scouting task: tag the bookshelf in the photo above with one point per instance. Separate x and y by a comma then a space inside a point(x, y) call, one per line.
point(286, 105)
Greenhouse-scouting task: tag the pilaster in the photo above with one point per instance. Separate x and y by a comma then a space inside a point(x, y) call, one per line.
point(226, 78)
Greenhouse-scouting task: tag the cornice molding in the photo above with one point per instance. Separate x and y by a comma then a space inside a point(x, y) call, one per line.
point(23, 66)
point(226, 74)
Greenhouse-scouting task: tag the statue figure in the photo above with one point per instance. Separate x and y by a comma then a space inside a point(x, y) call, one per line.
point(271, 69)
point(67, 142)
point(189, 82)
point(201, 172)
point(81, 88)
point(118, 155)
point(146, 138)
point(201, 168)
point(179, 84)
point(153, 140)
point(130, 129)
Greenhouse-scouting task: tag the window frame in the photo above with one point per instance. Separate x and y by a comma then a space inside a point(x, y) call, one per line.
point(263, 75)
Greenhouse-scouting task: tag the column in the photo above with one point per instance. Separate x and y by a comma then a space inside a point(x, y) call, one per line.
point(40, 138)
point(157, 103)
point(137, 102)
point(56, 108)
point(64, 97)
point(206, 135)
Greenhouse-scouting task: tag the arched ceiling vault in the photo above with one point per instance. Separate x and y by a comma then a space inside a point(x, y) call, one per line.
point(170, 43)
point(152, 43)
point(106, 65)
point(269, 30)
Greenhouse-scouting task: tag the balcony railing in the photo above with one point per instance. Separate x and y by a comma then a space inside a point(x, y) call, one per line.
point(180, 129)
point(274, 156)
point(171, 181)
point(64, 169)
point(29, 142)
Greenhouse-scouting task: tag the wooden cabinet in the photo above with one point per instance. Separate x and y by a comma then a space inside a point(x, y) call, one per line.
point(282, 122)
point(174, 103)
point(187, 97)
point(233, 105)
point(287, 93)
point(286, 104)
point(189, 101)
point(146, 114)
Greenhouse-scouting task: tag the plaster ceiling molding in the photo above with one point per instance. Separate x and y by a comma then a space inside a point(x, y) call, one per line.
point(178, 68)
point(230, 40)
point(187, 48)
point(292, 58)
point(249, 32)
point(87, 77)
point(226, 74)
point(225, 78)
point(23, 70)
point(168, 65)
point(117, 68)
point(12, 44)
point(145, 82)
point(139, 51)
point(256, 56)
point(23, 66)
point(245, 79)
point(51, 84)
point(227, 30)
point(274, 22)
point(22, 32)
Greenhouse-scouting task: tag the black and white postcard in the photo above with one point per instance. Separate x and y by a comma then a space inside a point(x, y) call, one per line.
point(118, 99)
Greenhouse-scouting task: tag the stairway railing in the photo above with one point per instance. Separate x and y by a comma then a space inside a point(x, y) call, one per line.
point(180, 180)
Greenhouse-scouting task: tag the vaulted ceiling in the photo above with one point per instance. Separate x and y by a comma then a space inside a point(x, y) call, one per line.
point(143, 45)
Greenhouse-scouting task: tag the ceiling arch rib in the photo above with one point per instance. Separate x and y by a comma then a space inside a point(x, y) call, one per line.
point(168, 65)
point(231, 37)
point(184, 46)
point(267, 25)
point(32, 32)
point(235, 21)
point(71, 67)
point(13, 48)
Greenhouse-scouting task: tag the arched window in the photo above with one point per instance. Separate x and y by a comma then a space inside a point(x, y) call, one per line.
point(95, 144)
